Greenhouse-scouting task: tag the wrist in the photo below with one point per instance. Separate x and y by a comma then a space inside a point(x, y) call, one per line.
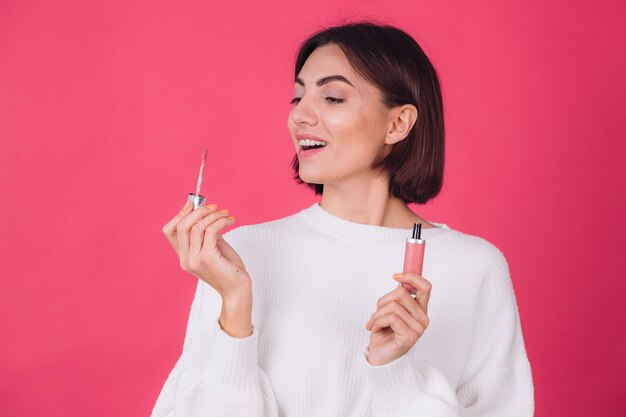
point(237, 294)
point(236, 315)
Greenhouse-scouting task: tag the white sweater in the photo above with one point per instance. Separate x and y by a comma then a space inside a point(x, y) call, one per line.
point(316, 279)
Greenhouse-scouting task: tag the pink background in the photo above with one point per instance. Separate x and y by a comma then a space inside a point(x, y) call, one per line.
point(105, 109)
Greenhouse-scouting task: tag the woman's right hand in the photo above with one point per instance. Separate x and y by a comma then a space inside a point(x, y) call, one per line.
point(203, 252)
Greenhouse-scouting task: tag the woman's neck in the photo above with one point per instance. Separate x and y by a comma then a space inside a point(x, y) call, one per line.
point(387, 211)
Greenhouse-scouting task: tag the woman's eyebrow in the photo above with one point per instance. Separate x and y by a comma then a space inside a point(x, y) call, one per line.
point(325, 80)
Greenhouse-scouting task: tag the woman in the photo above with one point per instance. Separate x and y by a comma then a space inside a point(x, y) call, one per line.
point(332, 331)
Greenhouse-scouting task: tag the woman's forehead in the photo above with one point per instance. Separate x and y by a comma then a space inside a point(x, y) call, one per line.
point(328, 61)
point(324, 61)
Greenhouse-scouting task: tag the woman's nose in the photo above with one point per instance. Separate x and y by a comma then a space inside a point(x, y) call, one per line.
point(303, 112)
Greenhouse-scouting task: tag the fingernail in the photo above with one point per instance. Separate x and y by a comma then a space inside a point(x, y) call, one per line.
point(223, 211)
point(397, 276)
point(212, 206)
point(187, 205)
point(231, 218)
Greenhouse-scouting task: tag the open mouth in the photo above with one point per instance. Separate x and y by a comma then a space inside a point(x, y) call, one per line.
point(307, 147)
point(309, 144)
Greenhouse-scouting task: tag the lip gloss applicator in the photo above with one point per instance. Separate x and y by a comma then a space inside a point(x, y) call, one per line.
point(414, 255)
point(197, 199)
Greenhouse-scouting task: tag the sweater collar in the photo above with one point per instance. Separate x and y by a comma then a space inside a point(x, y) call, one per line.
point(366, 232)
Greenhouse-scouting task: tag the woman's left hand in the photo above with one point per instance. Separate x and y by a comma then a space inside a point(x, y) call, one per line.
point(399, 320)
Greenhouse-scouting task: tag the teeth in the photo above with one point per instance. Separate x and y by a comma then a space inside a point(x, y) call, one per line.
point(309, 142)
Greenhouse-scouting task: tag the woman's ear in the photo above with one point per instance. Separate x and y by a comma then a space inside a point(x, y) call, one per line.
point(401, 121)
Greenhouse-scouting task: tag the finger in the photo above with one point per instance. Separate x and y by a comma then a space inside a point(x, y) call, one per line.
point(423, 287)
point(183, 228)
point(169, 229)
point(399, 327)
point(197, 230)
point(395, 308)
point(402, 296)
point(411, 289)
point(211, 231)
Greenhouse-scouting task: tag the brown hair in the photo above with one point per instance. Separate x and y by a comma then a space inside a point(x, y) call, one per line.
point(391, 60)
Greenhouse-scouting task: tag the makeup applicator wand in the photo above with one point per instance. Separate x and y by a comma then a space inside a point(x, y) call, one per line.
point(197, 199)
point(414, 255)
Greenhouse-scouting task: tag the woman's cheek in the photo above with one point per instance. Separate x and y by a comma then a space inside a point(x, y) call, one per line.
point(343, 126)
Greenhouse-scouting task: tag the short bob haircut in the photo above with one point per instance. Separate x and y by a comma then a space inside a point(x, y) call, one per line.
point(391, 60)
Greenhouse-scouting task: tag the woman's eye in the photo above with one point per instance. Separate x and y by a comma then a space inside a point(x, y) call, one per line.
point(331, 100)
point(334, 100)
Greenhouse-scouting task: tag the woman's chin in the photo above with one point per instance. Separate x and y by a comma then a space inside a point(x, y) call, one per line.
point(311, 178)
point(312, 182)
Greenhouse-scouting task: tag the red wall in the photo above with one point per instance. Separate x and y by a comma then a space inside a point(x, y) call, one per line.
point(104, 112)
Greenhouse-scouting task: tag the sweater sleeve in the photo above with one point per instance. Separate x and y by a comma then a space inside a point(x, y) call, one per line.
point(497, 379)
point(216, 374)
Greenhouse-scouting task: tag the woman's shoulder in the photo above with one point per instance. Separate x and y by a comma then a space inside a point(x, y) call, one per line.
point(262, 229)
point(470, 245)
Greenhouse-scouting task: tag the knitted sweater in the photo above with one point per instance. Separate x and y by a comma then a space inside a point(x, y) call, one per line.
point(316, 280)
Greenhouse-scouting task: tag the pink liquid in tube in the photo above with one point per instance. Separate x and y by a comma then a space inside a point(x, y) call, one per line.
point(414, 255)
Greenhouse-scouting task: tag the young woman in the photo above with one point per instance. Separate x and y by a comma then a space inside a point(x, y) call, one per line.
point(333, 331)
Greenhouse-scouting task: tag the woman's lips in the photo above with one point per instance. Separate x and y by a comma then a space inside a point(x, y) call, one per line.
point(300, 136)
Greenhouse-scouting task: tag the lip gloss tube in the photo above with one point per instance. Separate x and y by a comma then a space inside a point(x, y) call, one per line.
point(197, 199)
point(414, 255)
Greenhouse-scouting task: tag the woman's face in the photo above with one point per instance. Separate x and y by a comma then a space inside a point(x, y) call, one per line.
point(350, 116)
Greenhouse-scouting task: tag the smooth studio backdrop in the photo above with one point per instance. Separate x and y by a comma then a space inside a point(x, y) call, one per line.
point(105, 108)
